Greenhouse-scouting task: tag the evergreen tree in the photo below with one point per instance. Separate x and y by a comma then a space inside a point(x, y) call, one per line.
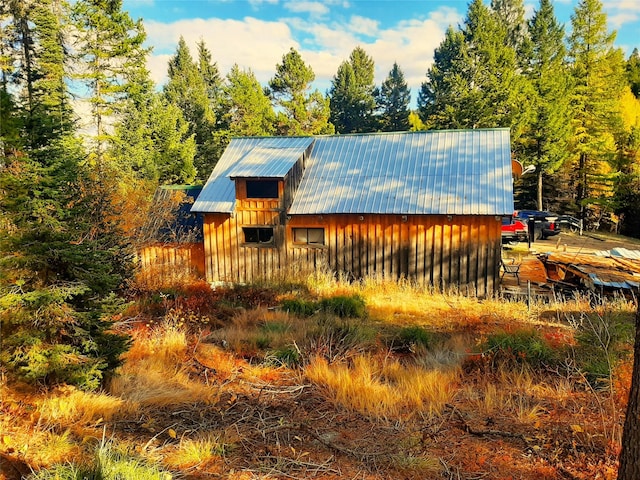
point(190, 87)
point(597, 74)
point(152, 142)
point(438, 99)
point(633, 72)
point(546, 138)
point(475, 81)
point(511, 15)
point(59, 259)
point(210, 74)
point(302, 113)
point(393, 101)
point(248, 110)
point(352, 95)
point(109, 48)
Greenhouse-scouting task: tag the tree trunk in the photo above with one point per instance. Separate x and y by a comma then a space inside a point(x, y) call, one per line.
point(629, 468)
point(540, 189)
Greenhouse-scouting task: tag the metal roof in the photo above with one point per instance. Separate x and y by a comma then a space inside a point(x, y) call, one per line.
point(453, 172)
point(462, 172)
point(264, 157)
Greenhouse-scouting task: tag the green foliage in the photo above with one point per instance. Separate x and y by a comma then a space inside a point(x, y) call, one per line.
point(109, 46)
point(413, 336)
point(474, 81)
point(110, 464)
point(352, 94)
point(545, 140)
point(247, 109)
point(190, 87)
point(344, 306)
point(597, 71)
point(523, 347)
point(633, 72)
point(301, 308)
point(301, 113)
point(287, 355)
point(603, 339)
point(393, 101)
point(152, 141)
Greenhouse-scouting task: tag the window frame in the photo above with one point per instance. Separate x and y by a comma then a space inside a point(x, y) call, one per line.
point(262, 184)
point(258, 229)
point(308, 244)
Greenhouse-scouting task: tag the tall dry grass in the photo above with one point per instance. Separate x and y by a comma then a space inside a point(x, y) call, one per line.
point(154, 372)
point(383, 388)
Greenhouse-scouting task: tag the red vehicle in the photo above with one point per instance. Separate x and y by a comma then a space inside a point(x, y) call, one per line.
point(514, 230)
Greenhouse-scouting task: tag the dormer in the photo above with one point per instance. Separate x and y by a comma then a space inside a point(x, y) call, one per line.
point(267, 176)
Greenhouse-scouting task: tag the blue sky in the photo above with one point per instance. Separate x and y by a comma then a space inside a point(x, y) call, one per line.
point(257, 33)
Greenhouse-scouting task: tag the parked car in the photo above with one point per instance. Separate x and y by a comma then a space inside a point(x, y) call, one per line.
point(545, 223)
point(514, 230)
point(569, 223)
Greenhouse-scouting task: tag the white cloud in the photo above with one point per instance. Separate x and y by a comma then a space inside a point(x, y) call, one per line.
point(260, 44)
point(616, 21)
point(313, 8)
point(251, 43)
point(257, 3)
point(362, 25)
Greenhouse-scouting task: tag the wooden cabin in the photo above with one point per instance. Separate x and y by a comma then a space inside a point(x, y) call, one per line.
point(425, 206)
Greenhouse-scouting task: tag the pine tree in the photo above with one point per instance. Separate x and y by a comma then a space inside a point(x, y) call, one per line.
point(511, 15)
point(352, 95)
point(475, 81)
point(302, 113)
point(597, 75)
point(393, 101)
point(59, 262)
point(546, 138)
point(439, 96)
point(633, 72)
point(190, 87)
point(109, 48)
point(210, 74)
point(248, 110)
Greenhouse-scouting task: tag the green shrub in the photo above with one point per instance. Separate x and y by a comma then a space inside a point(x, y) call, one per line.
point(301, 308)
point(288, 356)
point(343, 306)
point(602, 340)
point(334, 338)
point(520, 347)
point(410, 337)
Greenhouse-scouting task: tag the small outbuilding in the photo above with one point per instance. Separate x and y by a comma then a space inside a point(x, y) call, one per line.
point(425, 206)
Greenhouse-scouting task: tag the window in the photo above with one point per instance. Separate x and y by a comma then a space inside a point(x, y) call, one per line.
point(262, 189)
point(308, 236)
point(262, 235)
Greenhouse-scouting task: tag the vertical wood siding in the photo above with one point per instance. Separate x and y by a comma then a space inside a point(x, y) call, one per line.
point(428, 249)
point(169, 260)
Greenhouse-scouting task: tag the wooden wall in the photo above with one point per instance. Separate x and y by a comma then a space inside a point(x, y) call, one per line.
point(172, 260)
point(428, 249)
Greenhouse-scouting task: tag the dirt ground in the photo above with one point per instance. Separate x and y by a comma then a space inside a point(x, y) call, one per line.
point(588, 242)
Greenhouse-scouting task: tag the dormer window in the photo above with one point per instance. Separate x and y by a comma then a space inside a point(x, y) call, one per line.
point(262, 189)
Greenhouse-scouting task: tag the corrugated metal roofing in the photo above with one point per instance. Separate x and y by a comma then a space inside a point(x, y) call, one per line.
point(615, 270)
point(434, 172)
point(457, 172)
point(251, 157)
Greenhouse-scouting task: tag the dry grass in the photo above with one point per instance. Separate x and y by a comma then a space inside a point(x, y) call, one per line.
point(154, 373)
point(200, 451)
point(383, 388)
point(68, 405)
